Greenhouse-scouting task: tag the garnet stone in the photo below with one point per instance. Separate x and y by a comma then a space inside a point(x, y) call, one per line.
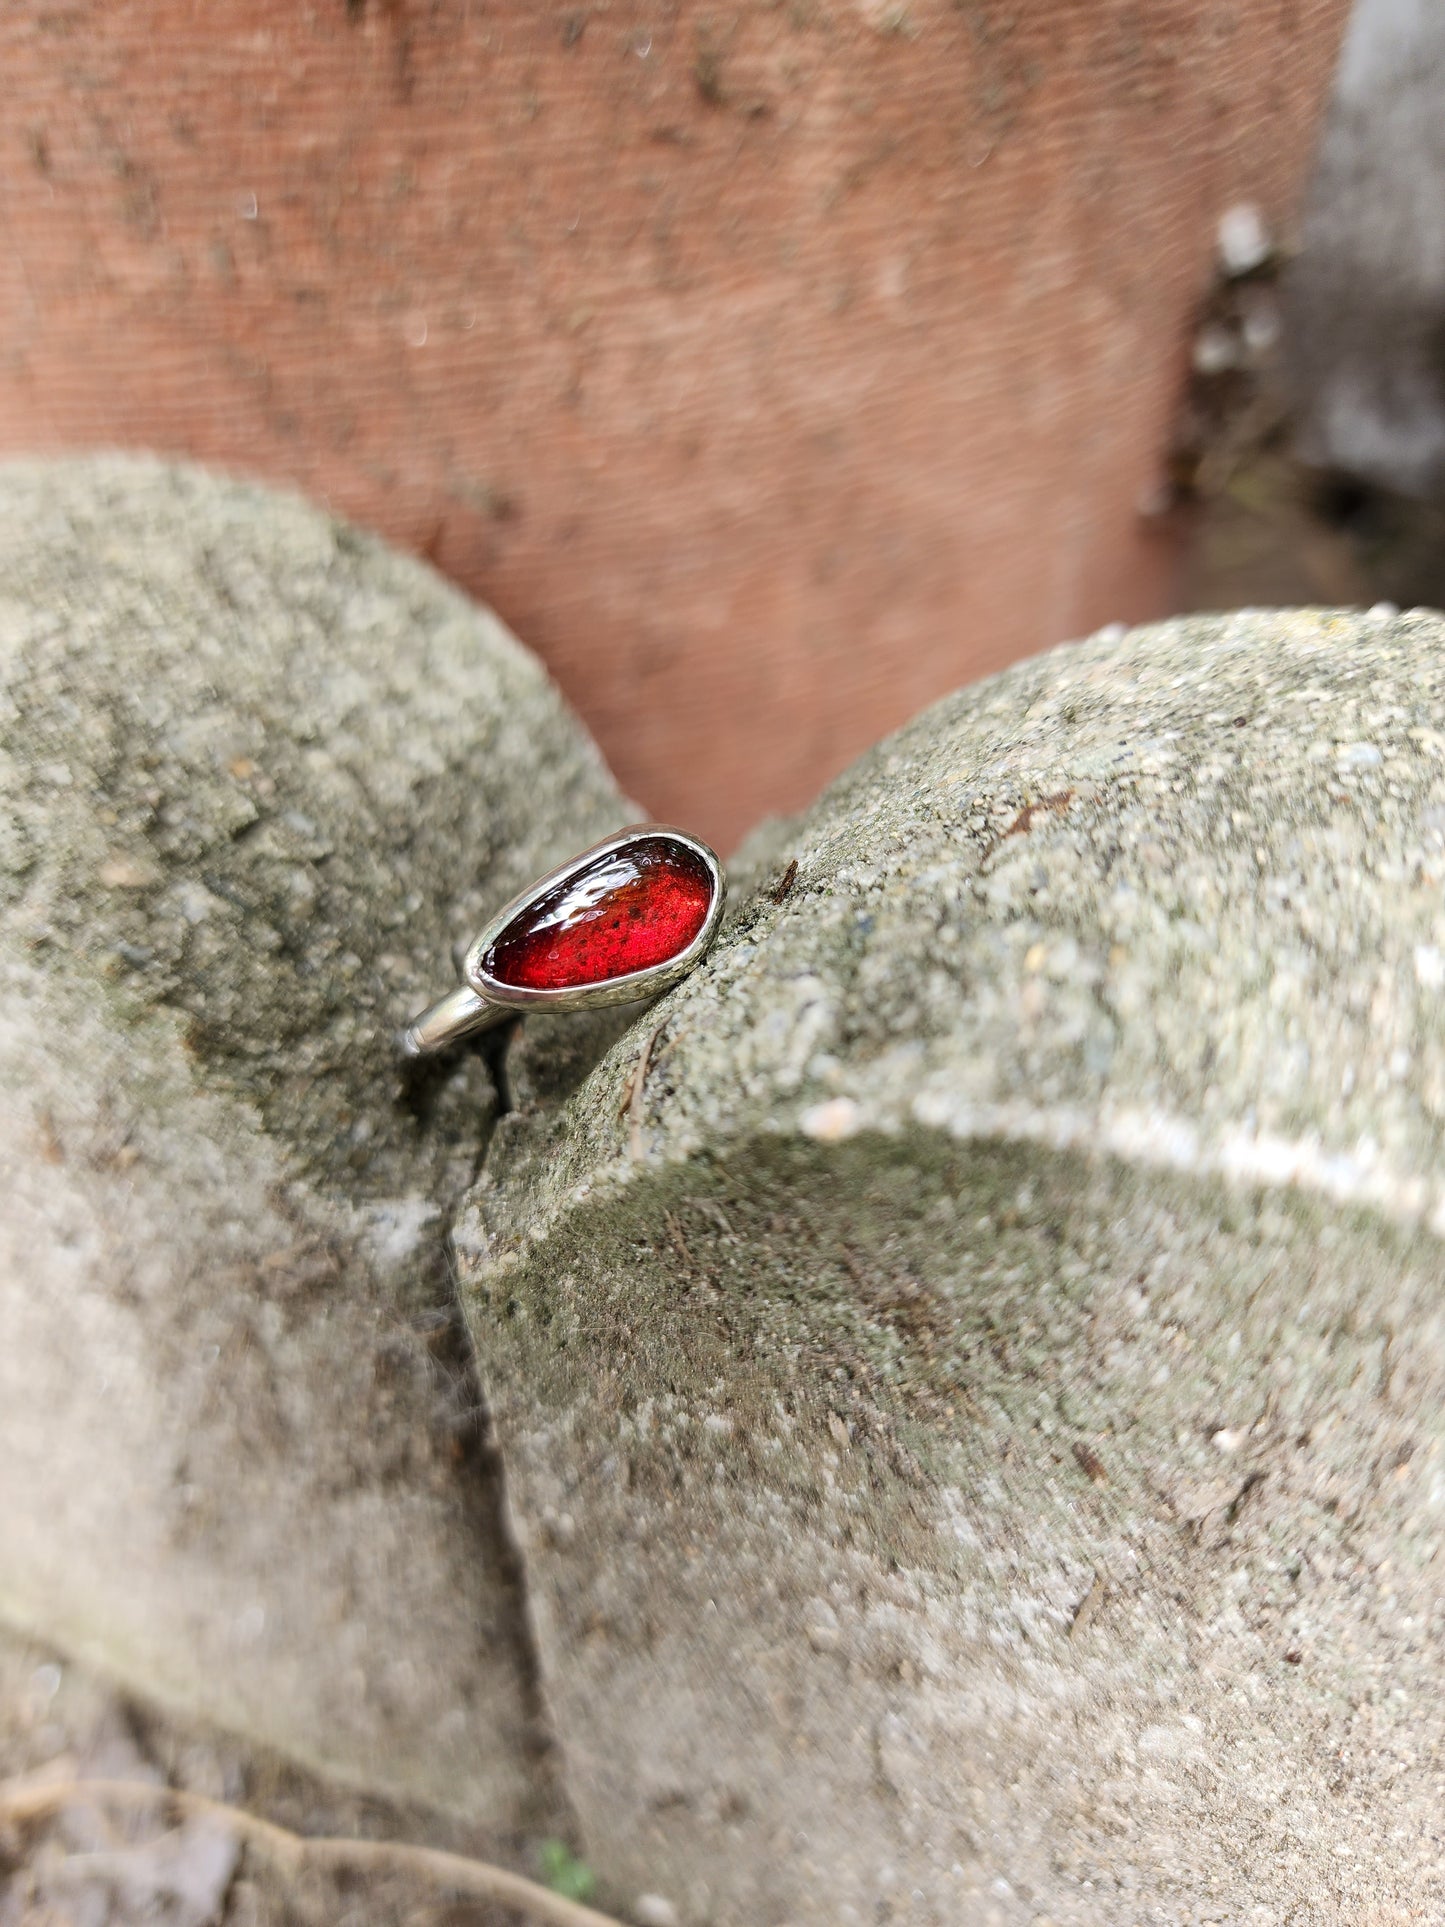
point(627, 910)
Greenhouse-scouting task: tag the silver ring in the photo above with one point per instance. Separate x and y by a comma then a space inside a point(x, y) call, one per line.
point(626, 919)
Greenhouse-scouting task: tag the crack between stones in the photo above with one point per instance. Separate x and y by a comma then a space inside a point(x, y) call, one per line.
point(485, 1474)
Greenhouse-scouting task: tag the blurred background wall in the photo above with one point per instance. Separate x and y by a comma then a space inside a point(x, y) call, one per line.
point(771, 368)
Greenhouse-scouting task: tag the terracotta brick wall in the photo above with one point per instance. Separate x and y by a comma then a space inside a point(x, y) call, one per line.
point(770, 367)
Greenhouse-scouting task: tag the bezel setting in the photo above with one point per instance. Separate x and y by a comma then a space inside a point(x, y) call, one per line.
point(626, 989)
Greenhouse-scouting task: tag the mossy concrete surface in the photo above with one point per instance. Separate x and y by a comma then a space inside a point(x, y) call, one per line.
point(969, 1365)
point(971, 1361)
point(259, 774)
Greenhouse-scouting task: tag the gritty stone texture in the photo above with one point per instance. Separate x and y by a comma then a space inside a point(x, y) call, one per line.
point(258, 774)
point(973, 1409)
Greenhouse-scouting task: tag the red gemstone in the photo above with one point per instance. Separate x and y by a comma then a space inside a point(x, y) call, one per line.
point(625, 911)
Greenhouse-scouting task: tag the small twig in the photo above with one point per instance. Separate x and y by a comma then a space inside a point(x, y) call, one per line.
point(29, 1800)
point(1088, 1606)
point(1023, 822)
point(632, 1097)
point(784, 885)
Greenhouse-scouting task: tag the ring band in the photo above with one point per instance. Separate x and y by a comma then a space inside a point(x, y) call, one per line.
point(626, 919)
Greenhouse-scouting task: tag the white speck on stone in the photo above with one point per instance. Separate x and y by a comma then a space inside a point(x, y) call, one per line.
point(120, 873)
point(1242, 240)
point(193, 900)
point(1359, 756)
point(1382, 612)
point(1216, 350)
point(397, 1227)
point(651, 1910)
point(1429, 966)
point(820, 1623)
point(831, 1122)
point(1261, 328)
point(719, 1423)
point(934, 1108)
point(1228, 1438)
point(46, 1680)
